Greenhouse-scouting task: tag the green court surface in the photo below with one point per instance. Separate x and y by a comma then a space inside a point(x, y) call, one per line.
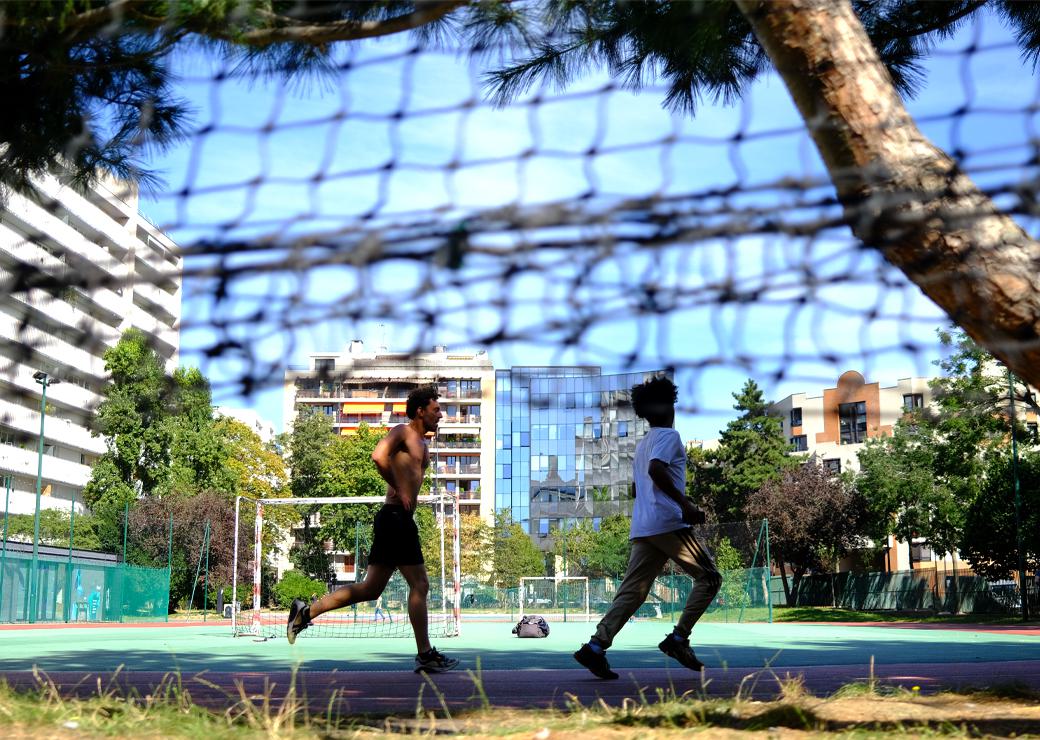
point(212, 648)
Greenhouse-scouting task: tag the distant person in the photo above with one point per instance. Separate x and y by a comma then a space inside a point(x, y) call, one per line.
point(401, 458)
point(382, 614)
point(661, 530)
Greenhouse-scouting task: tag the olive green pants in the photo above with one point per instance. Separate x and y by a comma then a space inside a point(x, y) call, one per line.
point(645, 563)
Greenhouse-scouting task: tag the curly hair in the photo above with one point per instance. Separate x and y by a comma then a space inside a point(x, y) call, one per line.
point(651, 396)
point(419, 398)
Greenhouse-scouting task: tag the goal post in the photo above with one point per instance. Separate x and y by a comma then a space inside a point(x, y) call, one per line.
point(563, 597)
point(386, 617)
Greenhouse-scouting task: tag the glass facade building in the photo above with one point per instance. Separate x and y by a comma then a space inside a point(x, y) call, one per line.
point(565, 438)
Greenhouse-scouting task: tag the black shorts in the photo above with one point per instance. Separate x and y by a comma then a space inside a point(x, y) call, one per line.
point(395, 538)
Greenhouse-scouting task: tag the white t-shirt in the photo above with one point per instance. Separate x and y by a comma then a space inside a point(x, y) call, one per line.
point(654, 511)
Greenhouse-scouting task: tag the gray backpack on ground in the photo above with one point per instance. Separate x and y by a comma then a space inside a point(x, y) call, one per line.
point(531, 626)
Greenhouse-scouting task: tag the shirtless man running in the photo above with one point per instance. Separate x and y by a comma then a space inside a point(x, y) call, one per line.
point(401, 459)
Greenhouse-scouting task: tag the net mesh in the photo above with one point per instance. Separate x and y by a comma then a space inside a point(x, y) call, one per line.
point(587, 224)
point(560, 597)
point(384, 617)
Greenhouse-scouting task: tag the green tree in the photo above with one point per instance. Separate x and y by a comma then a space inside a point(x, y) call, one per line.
point(256, 469)
point(54, 529)
point(601, 553)
point(988, 540)
point(199, 453)
point(133, 418)
point(752, 451)
point(515, 555)
point(921, 481)
point(351, 472)
point(477, 545)
point(311, 441)
point(812, 516)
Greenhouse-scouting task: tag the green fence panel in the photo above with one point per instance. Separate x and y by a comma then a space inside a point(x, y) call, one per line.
point(82, 590)
point(928, 590)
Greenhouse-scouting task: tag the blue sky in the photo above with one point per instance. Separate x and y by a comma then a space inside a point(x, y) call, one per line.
point(278, 163)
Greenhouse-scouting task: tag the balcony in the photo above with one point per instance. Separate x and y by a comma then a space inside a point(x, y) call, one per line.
point(66, 394)
point(38, 220)
point(64, 312)
point(144, 321)
point(474, 396)
point(439, 444)
point(169, 304)
point(58, 351)
point(461, 419)
point(25, 252)
point(59, 431)
point(470, 469)
point(23, 462)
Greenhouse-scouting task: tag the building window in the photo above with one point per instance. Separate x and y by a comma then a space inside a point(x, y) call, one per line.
point(622, 429)
point(833, 465)
point(800, 443)
point(913, 401)
point(328, 410)
point(852, 420)
point(324, 364)
point(796, 417)
point(921, 553)
point(1034, 432)
point(543, 527)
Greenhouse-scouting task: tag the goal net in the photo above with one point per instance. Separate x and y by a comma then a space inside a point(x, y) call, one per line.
point(561, 597)
point(384, 617)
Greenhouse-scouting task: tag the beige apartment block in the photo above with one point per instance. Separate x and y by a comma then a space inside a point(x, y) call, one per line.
point(357, 386)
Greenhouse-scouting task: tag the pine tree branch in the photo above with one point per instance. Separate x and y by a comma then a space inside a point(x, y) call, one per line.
point(347, 30)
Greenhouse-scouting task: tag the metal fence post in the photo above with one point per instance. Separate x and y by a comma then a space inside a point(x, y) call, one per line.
point(205, 587)
point(169, 568)
point(769, 571)
point(3, 553)
point(68, 566)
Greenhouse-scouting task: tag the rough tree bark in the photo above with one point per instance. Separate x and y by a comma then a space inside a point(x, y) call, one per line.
point(903, 195)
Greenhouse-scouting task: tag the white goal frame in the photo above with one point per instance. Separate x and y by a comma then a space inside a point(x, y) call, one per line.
point(444, 501)
point(556, 580)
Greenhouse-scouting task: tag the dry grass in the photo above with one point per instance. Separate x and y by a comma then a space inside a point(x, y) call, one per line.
point(861, 710)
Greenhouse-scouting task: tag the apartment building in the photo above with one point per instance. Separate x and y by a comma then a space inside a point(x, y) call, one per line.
point(357, 386)
point(127, 274)
point(834, 424)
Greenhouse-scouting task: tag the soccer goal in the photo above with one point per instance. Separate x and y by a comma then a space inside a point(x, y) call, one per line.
point(564, 597)
point(386, 617)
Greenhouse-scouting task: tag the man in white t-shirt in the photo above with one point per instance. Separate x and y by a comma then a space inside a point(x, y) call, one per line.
point(661, 530)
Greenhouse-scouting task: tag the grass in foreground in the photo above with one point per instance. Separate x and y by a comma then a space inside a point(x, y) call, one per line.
point(833, 614)
point(858, 710)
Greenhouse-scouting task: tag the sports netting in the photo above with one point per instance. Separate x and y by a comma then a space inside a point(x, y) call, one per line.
point(79, 588)
point(603, 213)
point(607, 210)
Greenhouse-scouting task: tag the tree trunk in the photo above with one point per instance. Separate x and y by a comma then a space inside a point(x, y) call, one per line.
point(901, 194)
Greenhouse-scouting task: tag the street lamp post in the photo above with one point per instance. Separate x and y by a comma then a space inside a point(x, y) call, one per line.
point(1018, 502)
point(44, 380)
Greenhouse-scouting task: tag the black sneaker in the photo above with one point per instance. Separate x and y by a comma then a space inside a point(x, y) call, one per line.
point(299, 620)
point(681, 651)
point(434, 662)
point(595, 662)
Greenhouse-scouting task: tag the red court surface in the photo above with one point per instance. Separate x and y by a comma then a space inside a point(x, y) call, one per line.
point(371, 676)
